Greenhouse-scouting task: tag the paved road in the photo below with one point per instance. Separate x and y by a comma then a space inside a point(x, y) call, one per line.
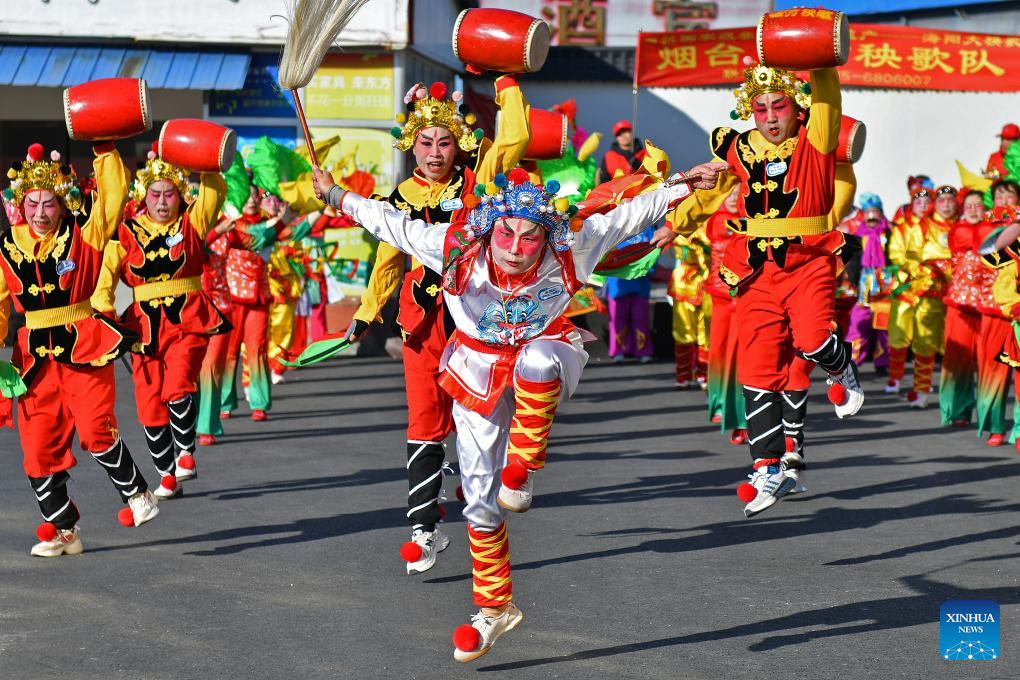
point(635, 562)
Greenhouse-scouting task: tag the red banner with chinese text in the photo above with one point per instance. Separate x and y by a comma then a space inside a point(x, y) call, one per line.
point(881, 55)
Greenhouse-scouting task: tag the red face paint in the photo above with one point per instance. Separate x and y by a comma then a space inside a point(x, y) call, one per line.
point(775, 116)
point(516, 247)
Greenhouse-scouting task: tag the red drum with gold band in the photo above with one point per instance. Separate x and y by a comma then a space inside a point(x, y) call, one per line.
point(107, 109)
point(852, 134)
point(803, 39)
point(549, 134)
point(500, 40)
point(197, 145)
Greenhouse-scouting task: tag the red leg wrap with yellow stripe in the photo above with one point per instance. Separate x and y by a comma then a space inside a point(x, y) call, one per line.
point(490, 566)
point(533, 418)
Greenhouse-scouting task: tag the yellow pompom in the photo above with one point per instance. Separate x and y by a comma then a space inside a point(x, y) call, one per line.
point(401, 118)
point(562, 204)
point(12, 173)
point(491, 189)
point(470, 119)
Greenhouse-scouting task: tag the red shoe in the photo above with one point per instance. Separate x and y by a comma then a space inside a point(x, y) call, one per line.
point(224, 415)
point(738, 437)
point(206, 440)
point(717, 418)
point(258, 415)
point(995, 439)
point(962, 422)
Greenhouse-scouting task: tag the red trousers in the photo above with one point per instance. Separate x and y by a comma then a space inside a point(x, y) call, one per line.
point(168, 375)
point(63, 400)
point(781, 311)
point(429, 406)
point(251, 327)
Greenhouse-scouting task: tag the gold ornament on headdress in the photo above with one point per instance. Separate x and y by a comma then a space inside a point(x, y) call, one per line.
point(156, 169)
point(759, 80)
point(432, 109)
point(49, 175)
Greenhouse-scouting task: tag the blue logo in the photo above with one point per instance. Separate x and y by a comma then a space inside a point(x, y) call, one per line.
point(773, 169)
point(969, 630)
point(550, 292)
point(65, 266)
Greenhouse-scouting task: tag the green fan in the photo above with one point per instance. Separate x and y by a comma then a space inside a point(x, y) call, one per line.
point(272, 163)
point(320, 350)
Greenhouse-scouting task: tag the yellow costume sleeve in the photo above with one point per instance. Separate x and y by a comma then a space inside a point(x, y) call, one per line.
point(205, 211)
point(513, 135)
point(898, 245)
point(694, 210)
point(846, 188)
point(1004, 289)
point(826, 110)
point(386, 273)
point(104, 297)
point(112, 181)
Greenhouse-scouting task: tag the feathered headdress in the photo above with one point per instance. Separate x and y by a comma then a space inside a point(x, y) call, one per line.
point(51, 175)
point(155, 169)
point(432, 109)
point(761, 79)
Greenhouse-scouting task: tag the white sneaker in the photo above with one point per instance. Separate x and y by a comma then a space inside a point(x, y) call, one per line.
point(920, 400)
point(168, 488)
point(489, 629)
point(431, 543)
point(771, 483)
point(854, 397)
point(66, 542)
point(516, 500)
point(247, 392)
point(276, 378)
point(143, 507)
point(793, 465)
point(892, 387)
point(186, 468)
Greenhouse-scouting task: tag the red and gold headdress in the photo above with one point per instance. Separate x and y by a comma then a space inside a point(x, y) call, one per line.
point(156, 169)
point(50, 175)
point(432, 109)
point(761, 79)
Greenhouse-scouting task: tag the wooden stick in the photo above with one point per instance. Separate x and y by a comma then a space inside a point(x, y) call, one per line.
point(686, 180)
point(304, 128)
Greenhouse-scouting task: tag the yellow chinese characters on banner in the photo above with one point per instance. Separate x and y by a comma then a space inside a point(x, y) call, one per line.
point(352, 87)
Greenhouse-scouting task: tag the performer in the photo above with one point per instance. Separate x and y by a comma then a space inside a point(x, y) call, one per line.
point(783, 263)
point(692, 308)
point(508, 274)
point(438, 134)
point(725, 398)
point(630, 325)
point(996, 162)
point(919, 247)
point(214, 364)
point(869, 320)
point(159, 253)
point(958, 384)
point(64, 354)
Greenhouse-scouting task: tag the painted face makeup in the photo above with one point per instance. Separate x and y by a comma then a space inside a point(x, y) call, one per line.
point(163, 201)
point(516, 244)
point(435, 151)
point(42, 210)
point(973, 208)
point(775, 116)
point(946, 206)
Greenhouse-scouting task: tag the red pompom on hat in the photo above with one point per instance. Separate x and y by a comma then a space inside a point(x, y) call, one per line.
point(466, 638)
point(837, 394)
point(46, 531)
point(410, 551)
point(438, 90)
point(514, 475)
point(746, 492)
point(519, 176)
point(169, 482)
point(36, 152)
point(126, 517)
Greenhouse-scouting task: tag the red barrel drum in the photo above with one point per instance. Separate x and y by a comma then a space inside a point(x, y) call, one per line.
point(197, 145)
point(107, 109)
point(803, 39)
point(500, 40)
point(852, 134)
point(549, 135)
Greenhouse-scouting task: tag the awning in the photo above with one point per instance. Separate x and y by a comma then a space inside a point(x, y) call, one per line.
point(63, 66)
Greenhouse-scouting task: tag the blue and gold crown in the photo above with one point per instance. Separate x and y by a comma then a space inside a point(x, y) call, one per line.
point(516, 196)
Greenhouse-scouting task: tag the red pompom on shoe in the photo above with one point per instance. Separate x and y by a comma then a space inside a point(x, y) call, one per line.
point(126, 517)
point(460, 493)
point(36, 152)
point(438, 90)
point(410, 551)
point(187, 462)
point(519, 176)
point(911, 395)
point(46, 531)
point(746, 492)
point(717, 418)
point(514, 475)
point(466, 638)
point(837, 394)
point(791, 444)
point(169, 482)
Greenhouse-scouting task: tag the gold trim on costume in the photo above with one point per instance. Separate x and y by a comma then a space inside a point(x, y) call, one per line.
point(167, 289)
point(787, 226)
point(58, 316)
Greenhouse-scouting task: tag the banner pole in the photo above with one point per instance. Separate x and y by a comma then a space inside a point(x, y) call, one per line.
point(634, 86)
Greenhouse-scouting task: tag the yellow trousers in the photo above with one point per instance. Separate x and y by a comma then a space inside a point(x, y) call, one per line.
point(690, 322)
point(281, 330)
point(918, 325)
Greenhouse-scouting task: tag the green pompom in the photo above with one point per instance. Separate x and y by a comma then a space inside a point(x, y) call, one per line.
point(734, 115)
point(479, 133)
point(805, 88)
point(479, 190)
point(396, 132)
point(572, 210)
point(8, 194)
point(75, 192)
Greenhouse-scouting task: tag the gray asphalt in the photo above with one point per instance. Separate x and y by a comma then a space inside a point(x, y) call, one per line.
point(635, 561)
